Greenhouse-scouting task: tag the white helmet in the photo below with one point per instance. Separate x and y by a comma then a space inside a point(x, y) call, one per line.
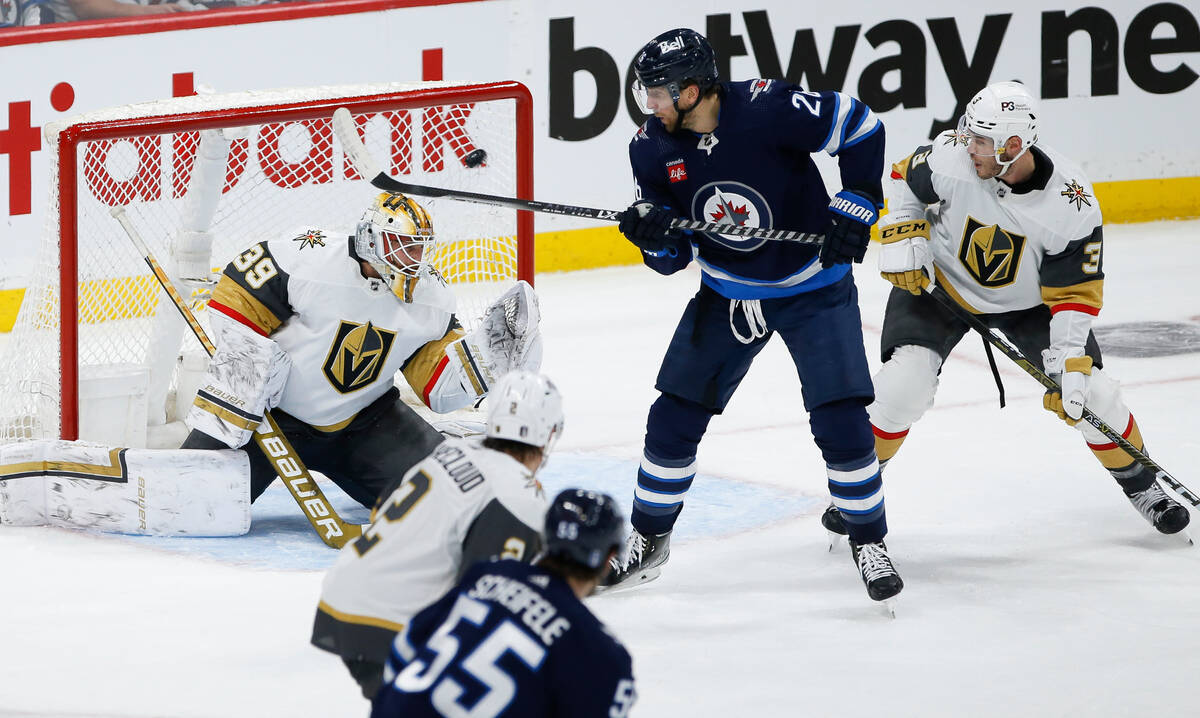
point(525, 407)
point(1000, 111)
point(394, 237)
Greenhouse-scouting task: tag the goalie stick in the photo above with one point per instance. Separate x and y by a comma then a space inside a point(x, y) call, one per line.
point(335, 532)
point(352, 145)
point(1010, 351)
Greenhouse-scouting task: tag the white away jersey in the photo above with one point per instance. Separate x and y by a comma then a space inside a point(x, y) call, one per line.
point(462, 504)
point(346, 335)
point(999, 248)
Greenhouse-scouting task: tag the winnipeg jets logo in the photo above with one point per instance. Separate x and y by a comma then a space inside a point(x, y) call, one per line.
point(707, 143)
point(732, 203)
point(1076, 195)
point(311, 238)
point(758, 87)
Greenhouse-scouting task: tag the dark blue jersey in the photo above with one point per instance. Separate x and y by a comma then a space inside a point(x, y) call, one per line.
point(756, 169)
point(509, 640)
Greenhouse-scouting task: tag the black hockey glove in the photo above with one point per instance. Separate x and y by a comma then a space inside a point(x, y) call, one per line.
point(846, 241)
point(649, 227)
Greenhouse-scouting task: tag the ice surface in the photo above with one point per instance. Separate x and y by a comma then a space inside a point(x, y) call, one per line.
point(1033, 587)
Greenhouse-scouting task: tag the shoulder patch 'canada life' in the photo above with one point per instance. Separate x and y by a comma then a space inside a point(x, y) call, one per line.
point(1076, 195)
point(676, 171)
point(311, 238)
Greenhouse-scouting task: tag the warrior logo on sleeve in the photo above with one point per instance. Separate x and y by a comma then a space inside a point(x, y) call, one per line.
point(357, 356)
point(991, 255)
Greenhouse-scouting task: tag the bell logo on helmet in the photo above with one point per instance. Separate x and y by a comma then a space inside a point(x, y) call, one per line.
point(669, 46)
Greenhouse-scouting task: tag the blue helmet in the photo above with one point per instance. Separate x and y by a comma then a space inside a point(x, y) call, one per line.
point(583, 526)
point(675, 57)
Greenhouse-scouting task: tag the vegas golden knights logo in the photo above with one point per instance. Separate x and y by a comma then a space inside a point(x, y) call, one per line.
point(357, 356)
point(992, 255)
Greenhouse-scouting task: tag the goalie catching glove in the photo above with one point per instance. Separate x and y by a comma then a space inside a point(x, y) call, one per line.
point(506, 340)
point(905, 259)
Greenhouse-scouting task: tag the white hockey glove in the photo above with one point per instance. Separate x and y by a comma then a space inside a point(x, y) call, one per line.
point(1072, 369)
point(507, 339)
point(905, 258)
point(245, 377)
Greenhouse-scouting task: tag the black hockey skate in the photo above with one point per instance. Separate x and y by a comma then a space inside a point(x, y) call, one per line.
point(834, 524)
point(1164, 513)
point(878, 573)
point(644, 557)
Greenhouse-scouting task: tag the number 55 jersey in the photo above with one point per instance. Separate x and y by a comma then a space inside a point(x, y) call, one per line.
point(510, 640)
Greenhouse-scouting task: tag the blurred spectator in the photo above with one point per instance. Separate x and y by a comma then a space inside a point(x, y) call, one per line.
point(67, 10)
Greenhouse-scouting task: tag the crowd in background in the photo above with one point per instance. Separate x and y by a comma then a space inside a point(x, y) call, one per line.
point(15, 13)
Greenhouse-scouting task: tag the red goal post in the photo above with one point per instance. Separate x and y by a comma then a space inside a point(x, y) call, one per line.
point(278, 167)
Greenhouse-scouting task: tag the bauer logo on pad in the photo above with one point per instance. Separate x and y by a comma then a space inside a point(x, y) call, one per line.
point(676, 171)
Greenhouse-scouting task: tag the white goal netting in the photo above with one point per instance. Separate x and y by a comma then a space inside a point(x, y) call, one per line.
point(202, 178)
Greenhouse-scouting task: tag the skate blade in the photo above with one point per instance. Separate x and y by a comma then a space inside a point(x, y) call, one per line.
point(835, 539)
point(1186, 537)
point(889, 606)
point(635, 579)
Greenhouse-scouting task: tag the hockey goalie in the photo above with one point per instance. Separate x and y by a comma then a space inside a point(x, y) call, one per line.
point(314, 327)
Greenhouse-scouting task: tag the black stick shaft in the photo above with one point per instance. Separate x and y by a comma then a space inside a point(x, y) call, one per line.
point(1034, 371)
point(387, 182)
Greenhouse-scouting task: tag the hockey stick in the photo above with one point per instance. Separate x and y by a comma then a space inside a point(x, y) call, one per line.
point(1010, 351)
point(352, 145)
point(270, 440)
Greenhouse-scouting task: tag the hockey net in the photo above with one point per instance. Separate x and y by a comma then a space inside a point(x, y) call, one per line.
point(97, 343)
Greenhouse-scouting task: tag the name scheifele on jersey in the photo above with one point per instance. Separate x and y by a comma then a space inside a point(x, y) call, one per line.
point(539, 615)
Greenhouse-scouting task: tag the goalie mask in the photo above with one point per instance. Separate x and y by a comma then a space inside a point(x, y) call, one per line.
point(525, 407)
point(394, 237)
point(998, 112)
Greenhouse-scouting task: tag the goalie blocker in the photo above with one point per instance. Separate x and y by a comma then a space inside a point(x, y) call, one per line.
point(132, 491)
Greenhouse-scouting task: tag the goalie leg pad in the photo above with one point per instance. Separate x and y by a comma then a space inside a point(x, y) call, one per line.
point(131, 491)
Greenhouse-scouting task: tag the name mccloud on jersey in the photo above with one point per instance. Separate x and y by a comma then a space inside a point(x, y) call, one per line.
point(454, 460)
point(732, 203)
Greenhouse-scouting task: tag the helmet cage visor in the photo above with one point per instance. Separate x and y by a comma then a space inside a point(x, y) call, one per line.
point(649, 99)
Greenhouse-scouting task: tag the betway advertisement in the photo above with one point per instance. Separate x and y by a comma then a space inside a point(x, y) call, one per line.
point(1117, 79)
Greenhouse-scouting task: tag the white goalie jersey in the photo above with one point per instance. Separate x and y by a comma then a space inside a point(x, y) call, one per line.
point(336, 337)
point(999, 248)
point(462, 504)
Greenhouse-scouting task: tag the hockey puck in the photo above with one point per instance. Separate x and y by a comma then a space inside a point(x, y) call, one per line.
point(475, 158)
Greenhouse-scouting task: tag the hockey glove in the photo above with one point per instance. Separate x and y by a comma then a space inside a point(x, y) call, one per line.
point(905, 258)
point(846, 241)
point(1072, 369)
point(648, 226)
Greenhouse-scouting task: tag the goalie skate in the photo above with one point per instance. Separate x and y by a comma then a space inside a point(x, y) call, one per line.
point(643, 560)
